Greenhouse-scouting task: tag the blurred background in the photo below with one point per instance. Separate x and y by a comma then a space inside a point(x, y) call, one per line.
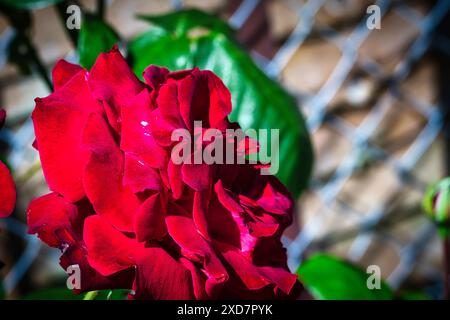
point(375, 102)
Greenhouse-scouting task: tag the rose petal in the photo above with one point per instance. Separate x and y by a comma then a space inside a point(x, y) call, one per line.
point(193, 98)
point(161, 277)
point(240, 218)
point(256, 277)
point(198, 279)
point(247, 146)
point(168, 104)
point(113, 116)
point(263, 229)
point(200, 211)
point(58, 123)
point(137, 138)
point(226, 199)
point(116, 88)
point(278, 256)
point(162, 128)
point(63, 72)
point(111, 79)
point(195, 248)
point(175, 179)
point(51, 216)
point(103, 176)
point(274, 201)
point(180, 74)
point(154, 76)
point(139, 176)
point(109, 251)
point(149, 222)
point(7, 192)
point(56, 222)
point(197, 176)
point(91, 279)
point(158, 275)
point(204, 97)
point(222, 226)
point(220, 101)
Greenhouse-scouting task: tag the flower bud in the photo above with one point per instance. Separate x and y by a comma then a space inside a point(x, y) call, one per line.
point(436, 203)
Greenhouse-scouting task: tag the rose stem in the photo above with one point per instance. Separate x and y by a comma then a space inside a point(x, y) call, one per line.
point(101, 8)
point(39, 66)
point(30, 52)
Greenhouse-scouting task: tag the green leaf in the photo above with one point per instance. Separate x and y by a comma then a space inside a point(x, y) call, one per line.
point(436, 203)
point(183, 21)
point(160, 48)
point(94, 38)
point(53, 294)
point(29, 4)
point(414, 295)
point(119, 294)
point(91, 295)
point(66, 294)
point(115, 294)
point(330, 278)
point(258, 101)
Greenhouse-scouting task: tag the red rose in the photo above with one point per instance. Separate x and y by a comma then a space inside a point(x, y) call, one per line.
point(130, 216)
point(7, 188)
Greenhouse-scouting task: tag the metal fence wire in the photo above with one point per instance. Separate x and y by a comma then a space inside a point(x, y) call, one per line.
point(367, 226)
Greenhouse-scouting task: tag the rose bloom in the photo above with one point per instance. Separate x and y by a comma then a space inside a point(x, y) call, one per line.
point(129, 216)
point(7, 188)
